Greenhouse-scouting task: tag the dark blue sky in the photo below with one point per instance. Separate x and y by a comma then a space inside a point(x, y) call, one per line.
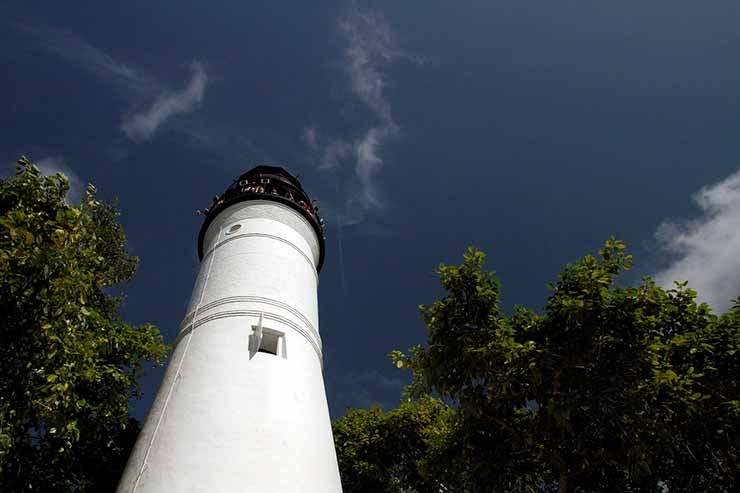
point(532, 130)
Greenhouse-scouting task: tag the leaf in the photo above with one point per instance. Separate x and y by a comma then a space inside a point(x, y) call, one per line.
point(55, 372)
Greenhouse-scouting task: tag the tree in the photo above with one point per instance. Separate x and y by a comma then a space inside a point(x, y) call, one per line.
point(380, 451)
point(68, 362)
point(611, 388)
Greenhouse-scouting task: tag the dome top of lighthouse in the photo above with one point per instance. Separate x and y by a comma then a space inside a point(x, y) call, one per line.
point(266, 170)
point(266, 182)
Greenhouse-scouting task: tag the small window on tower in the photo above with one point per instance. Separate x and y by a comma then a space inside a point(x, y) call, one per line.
point(266, 340)
point(270, 343)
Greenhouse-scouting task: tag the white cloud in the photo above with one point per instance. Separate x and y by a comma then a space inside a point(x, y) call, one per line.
point(53, 164)
point(310, 137)
point(370, 49)
point(143, 125)
point(335, 152)
point(73, 49)
point(707, 249)
point(330, 153)
point(135, 84)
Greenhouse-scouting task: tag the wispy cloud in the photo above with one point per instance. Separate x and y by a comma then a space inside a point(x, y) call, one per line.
point(143, 125)
point(310, 137)
point(54, 164)
point(707, 249)
point(75, 50)
point(370, 49)
point(330, 154)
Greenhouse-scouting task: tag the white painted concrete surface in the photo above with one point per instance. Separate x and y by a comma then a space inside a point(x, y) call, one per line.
point(227, 418)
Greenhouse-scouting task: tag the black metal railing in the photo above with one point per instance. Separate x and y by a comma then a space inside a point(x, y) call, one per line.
point(267, 183)
point(263, 185)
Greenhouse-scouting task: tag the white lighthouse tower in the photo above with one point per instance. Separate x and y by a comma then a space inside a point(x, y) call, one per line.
point(242, 406)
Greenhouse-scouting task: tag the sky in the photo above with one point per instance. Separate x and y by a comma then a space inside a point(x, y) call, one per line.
point(531, 130)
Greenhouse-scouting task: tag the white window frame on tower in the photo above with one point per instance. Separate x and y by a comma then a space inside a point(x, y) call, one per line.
point(266, 340)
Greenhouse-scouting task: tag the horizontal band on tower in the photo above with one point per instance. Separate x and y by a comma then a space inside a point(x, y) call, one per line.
point(254, 299)
point(251, 313)
point(265, 235)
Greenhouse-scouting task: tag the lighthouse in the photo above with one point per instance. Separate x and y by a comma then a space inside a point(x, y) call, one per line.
point(242, 406)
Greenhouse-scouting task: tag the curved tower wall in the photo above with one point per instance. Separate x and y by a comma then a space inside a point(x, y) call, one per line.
point(228, 417)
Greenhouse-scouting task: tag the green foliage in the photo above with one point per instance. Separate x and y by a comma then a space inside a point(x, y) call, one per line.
point(380, 451)
point(68, 362)
point(611, 388)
